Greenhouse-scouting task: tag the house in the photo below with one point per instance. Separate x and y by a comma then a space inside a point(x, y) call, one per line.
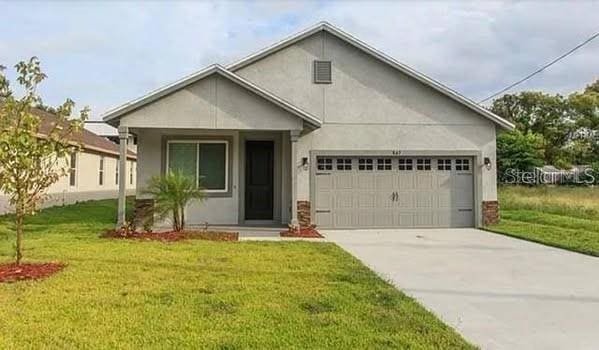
point(93, 170)
point(319, 128)
point(109, 132)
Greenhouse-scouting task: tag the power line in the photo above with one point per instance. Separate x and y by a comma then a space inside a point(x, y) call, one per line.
point(594, 36)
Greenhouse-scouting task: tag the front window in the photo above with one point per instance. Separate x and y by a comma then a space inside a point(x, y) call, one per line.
point(204, 161)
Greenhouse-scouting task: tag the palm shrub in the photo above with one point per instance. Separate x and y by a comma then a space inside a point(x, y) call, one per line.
point(172, 192)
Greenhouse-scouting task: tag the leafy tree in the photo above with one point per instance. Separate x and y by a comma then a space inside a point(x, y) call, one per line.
point(516, 150)
point(33, 154)
point(585, 107)
point(172, 192)
point(547, 115)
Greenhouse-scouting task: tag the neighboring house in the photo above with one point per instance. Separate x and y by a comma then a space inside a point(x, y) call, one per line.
point(107, 131)
point(319, 128)
point(93, 173)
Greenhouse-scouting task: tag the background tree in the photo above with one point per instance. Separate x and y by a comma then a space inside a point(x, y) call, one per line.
point(549, 116)
point(516, 150)
point(171, 193)
point(32, 158)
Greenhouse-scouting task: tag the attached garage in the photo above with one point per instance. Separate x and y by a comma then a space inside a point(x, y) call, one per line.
point(405, 192)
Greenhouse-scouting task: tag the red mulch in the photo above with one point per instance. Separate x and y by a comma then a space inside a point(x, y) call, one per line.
point(173, 236)
point(13, 272)
point(304, 232)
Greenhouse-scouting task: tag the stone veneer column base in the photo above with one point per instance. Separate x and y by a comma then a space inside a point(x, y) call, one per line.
point(144, 213)
point(490, 212)
point(303, 213)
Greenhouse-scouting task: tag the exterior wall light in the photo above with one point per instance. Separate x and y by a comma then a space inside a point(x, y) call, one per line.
point(305, 163)
point(488, 163)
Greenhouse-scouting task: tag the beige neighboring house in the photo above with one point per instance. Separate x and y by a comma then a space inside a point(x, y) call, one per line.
point(319, 128)
point(93, 172)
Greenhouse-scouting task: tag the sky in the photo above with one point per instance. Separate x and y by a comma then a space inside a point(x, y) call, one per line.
point(102, 54)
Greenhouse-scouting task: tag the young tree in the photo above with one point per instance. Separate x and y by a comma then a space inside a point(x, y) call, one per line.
point(172, 192)
point(519, 151)
point(33, 151)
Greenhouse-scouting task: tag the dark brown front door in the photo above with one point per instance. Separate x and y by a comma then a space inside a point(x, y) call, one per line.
point(259, 159)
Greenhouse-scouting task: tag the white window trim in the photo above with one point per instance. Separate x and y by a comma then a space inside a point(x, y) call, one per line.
point(198, 142)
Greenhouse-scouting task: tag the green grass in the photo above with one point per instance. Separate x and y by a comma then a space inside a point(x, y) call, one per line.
point(200, 294)
point(564, 217)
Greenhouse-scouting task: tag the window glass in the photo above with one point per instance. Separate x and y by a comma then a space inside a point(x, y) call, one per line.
point(423, 164)
point(365, 164)
point(325, 164)
point(101, 172)
point(73, 169)
point(444, 164)
point(462, 164)
point(405, 164)
point(212, 165)
point(182, 157)
point(343, 163)
point(383, 164)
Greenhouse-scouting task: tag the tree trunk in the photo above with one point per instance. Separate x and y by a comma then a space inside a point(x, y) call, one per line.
point(19, 223)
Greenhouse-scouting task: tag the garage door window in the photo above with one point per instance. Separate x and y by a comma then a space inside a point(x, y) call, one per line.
point(444, 164)
point(365, 164)
point(325, 164)
point(405, 164)
point(383, 164)
point(462, 164)
point(343, 164)
point(423, 164)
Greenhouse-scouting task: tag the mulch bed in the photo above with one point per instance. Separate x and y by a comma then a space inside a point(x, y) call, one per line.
point(304, 232)
point(173, 236)
point(12, 272)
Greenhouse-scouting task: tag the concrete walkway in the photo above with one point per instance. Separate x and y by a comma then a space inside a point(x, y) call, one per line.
point(498, 292)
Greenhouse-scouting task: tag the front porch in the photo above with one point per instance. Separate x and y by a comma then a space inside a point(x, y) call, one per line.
point(248, 175)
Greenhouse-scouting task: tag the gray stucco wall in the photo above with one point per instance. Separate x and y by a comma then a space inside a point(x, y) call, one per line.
point(212, 103)
point(371, 106)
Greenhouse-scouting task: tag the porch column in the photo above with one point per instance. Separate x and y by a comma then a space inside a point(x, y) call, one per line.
point(294, 137)
point(123, 138)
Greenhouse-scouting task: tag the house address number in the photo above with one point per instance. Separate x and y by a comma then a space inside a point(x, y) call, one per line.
point(396, 152)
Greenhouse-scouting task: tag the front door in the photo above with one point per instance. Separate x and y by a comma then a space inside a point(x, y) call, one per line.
point(259, 159)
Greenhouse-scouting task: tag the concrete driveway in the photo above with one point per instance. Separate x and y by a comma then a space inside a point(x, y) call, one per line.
point(498, 292)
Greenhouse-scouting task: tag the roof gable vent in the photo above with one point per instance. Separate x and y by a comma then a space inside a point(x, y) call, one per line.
point(322, 72)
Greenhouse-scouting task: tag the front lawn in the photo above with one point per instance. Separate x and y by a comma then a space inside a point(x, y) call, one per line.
point(192, 294)
point(565, 217)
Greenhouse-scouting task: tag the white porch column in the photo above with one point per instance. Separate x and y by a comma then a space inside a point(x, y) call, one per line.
point(123, 138)
point(294, 137)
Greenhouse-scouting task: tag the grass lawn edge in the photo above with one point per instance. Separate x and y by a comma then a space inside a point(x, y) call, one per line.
point(538, 241)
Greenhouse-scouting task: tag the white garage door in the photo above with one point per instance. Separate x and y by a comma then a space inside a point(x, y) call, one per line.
point(393, 192)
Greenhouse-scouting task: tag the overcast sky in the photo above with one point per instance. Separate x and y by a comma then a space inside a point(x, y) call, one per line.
point(103, 54)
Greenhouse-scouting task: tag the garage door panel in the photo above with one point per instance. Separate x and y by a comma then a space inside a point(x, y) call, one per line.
point(344, 200)
point(406, 199)
point(324, 200)
point(366, 200)
point(406, 180)
point(365, 181)
point(365, 218)
point(344, 181)
point(344, 218)
point(408, 192)
point(424, 181)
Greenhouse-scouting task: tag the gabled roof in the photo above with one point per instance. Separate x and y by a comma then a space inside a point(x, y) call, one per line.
point(348, 38)
point(116, 113)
